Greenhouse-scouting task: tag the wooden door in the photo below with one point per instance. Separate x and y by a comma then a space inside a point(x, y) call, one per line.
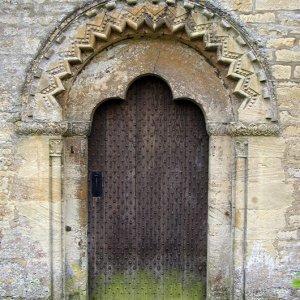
point(148, 165)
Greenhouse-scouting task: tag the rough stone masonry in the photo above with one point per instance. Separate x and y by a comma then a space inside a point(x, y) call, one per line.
point(251, 99)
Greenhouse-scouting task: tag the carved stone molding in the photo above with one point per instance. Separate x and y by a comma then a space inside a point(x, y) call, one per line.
point(57, 128)
point(78, 129)
point(241, 148)
point(55, 147)
point(195, 20)
point(83, 129)
point(243, 129)
point(218, 129)
point(41, 128)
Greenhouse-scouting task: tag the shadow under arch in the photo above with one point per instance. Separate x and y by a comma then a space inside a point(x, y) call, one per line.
point(141, 77)
point(176, 99)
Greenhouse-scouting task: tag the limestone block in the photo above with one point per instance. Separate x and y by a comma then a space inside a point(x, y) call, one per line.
point(293, 151)
point(281, 72)
point(219, 249)
point(280, 42)
point(37, 215)
point(258, 18)
point(34, 154)
point(297, 72)
point(267, 187)
point(4, 188)
point(287, 55)
point(277, 4)
point(268, 245)
point(261, 265)
point(288, 96)
point(294, 220)
point(262, 224)
point(219, 170)
point(288, 235)
point(291, 131)
point(241, 5)
point(288, 117)
point(294, 172)
point(32, 178)
point(289, 18)
point(238, 253)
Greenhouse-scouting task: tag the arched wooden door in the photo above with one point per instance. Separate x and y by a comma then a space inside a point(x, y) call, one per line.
point(148, 164)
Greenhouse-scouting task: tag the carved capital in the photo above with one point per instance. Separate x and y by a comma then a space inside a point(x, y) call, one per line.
point(253, 129)
point(57, 128)
point(83, 129)
point(218, 129)
point(78, 128)
point(241, 148)
point(41, 128)
point(243, 129)
point(55, 147)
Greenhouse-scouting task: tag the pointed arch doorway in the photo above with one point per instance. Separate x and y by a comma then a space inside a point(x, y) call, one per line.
point(147, 221)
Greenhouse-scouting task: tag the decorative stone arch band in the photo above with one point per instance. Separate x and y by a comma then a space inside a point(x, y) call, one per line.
point(204, 27)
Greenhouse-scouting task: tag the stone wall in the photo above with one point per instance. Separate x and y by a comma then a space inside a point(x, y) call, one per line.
point(273, 164)
point(278, 27)
point(24, 222)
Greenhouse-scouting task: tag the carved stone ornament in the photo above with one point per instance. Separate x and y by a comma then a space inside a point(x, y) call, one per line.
point(55, 147)
point(95, 27)
point(83, 129)
point(41, 128)
point(241, 148)
point(243, 129)
point(78, 129)
point(58, 128)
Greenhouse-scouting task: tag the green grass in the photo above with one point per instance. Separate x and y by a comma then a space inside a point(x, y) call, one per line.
point(296, 282)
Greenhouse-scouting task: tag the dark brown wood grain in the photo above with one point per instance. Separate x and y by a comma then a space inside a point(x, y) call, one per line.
point(152, 217)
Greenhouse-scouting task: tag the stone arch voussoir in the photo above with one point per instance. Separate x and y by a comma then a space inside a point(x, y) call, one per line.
point(79, 37)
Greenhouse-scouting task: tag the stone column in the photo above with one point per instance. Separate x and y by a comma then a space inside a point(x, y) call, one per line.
point(219, 217)
point(56, 220)
point(75, 188)
point(239, 219)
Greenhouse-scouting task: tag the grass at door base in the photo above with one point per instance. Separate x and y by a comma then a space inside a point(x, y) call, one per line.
point(144, 285)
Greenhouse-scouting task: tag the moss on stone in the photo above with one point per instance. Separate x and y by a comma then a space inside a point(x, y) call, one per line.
point(144, 285)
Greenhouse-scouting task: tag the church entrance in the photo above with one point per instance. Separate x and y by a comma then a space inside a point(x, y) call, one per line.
point(148, 185)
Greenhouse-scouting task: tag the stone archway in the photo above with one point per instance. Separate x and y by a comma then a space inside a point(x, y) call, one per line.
point(111, 44)
point(203, 27)
point(196, 81)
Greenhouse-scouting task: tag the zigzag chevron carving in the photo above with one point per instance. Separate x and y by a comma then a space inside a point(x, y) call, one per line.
point(195, 20)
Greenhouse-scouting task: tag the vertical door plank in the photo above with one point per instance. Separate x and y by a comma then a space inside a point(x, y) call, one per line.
point(147, 234)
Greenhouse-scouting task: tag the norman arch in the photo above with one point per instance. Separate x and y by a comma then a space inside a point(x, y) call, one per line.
point(204, 55)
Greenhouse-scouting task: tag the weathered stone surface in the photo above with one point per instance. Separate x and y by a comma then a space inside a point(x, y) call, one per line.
point(280, 42)
point(252, 84)
point(297, 72)
point(263, 174)
point(288, 96)
point(277, 4)
point(288, 55)
point(142, 58)
point(238, 5)
point(288, 18)
point(282, 72)
point(258, 18)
